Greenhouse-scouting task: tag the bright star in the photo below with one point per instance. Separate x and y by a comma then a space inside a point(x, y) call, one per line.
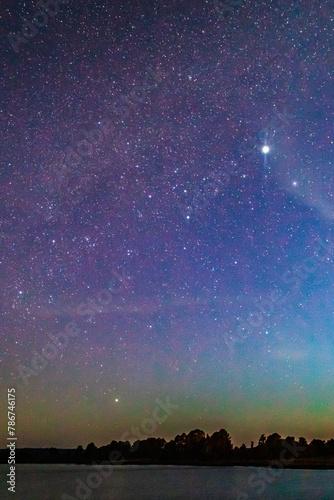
point(265, 149)
point(116, 400)
point(295, 183)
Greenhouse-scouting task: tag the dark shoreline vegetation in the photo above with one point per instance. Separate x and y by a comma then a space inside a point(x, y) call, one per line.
point(194, 448)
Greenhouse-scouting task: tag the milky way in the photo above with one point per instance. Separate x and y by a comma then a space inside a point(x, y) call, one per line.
point(150, 247)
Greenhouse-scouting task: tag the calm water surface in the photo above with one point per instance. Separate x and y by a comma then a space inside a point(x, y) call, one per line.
point(81, 482)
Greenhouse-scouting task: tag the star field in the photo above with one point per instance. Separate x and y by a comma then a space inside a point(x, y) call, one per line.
point(166, 172)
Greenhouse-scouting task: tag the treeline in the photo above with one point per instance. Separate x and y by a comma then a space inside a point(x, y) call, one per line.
point(195, 447)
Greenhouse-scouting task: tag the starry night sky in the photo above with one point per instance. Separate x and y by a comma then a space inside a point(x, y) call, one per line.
point(137, 206)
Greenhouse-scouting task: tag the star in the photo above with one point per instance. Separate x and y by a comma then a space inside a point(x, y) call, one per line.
point(265, 149)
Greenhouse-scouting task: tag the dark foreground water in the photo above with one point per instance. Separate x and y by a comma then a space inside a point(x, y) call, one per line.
point(81, 482)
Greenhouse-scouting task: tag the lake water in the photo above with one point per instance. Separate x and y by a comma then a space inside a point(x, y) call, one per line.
point(81, 482)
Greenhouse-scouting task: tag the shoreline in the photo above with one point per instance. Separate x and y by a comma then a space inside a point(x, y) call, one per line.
point(297, 464)
point(301, 464)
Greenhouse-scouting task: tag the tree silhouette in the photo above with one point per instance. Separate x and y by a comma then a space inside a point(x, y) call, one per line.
point(274, 445)
point(151, 448)
point(195, 443)
point(90, 454)
point(262, 440)
point(194, 447)
point(330, 447)
point(175, 449)
point(78, 455)
point(316, 448)
point(302, 442)
point(219, 445)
